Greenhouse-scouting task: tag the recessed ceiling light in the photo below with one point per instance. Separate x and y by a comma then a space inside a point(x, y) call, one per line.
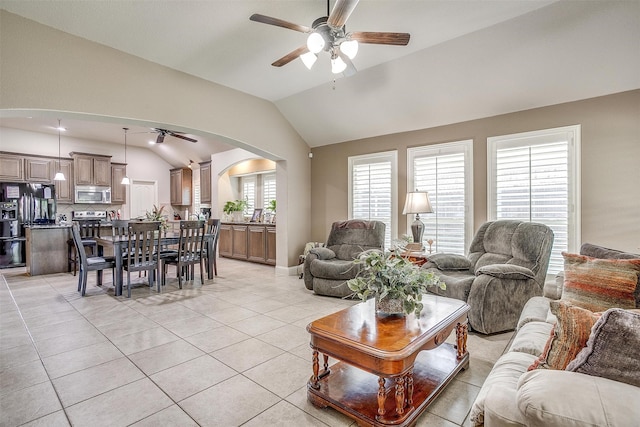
point(152, 142)
point(60, 128)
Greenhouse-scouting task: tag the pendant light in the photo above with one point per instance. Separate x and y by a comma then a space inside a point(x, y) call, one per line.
point(125, 179)
point(59, 175)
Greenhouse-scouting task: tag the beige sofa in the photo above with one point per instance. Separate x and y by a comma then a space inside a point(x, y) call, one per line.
point(512, 396)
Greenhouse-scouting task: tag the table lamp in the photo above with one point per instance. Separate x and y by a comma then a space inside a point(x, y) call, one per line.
point(417, 202)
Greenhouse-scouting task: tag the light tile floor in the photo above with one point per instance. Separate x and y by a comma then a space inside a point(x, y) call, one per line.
point(232, 352)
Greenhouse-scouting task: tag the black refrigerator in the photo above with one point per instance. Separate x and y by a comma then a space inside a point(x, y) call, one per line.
point(22, 204)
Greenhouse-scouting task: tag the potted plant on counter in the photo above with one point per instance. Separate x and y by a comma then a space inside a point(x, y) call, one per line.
point(395, 282)
point(156, 215)
point(235, 209)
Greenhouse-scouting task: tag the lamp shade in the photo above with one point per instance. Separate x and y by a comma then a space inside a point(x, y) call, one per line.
point(309, 59)
point(417, 202)
point(337, 65)
point(315, 42)
point(349, 48)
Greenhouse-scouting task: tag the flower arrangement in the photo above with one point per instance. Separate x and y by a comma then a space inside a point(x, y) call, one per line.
point(156, 215)
point(385, 275)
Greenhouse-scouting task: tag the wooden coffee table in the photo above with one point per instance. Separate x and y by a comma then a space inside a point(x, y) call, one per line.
point(383, 377)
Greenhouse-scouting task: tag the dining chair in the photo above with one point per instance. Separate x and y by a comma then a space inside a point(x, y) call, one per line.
point(213, 229)
point(89, 229)
point(142, 252)
point(88, 264)
point(189, 254)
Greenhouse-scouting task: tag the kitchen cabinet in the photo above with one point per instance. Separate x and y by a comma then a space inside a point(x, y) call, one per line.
point(253, 242)
point(37, 169)
point(205, 182)
point(11, 167)
point(91, 169)
point(64, 189)
point(118, 190)
point(180, 186)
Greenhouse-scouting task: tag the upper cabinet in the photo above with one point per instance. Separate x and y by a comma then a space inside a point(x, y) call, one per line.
point(64, 189)
point(180, 186)
point(90, 169)
point(38, 169)
point(11, 167)
point(205, 182)
point(118, 190)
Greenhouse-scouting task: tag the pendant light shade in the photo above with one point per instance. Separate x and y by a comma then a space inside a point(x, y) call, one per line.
point(59, 175)
point(125, 179)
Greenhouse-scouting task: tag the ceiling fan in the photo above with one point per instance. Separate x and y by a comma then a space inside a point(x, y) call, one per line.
point(164, 132)
point(328, 33)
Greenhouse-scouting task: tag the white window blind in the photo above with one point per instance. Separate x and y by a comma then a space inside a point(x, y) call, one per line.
point(249, 193)
point(268, 189)
point(534, 177)
point(372, 190)
point(445, 172)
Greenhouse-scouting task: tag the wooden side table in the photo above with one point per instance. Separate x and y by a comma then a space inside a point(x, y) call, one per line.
point(391, 368)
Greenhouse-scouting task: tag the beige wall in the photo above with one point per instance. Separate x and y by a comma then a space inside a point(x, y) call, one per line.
point(610, 162)
point(45, 70)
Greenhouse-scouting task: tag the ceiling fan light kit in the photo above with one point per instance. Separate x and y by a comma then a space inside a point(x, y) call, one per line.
point(328, 33)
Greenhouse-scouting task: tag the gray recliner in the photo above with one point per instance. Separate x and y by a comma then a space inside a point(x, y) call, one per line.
point(506, 265)
point(327, 269)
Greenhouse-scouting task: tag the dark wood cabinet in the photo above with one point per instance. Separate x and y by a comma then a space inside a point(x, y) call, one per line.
point(118, 190)
point(90, 169)
point(11, 167)
point(180, 186)
point(249, 242)
point(225, 241)
point(38, 169)
point(205, 182)
point(64, 189)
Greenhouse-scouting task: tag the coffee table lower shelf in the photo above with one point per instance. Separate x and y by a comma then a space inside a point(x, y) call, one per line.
point(354, 392)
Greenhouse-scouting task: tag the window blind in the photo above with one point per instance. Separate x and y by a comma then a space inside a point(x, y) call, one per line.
point(249, 193)
point(443, 177)
point(372, 191)
point(535, 178)
point(268, 189)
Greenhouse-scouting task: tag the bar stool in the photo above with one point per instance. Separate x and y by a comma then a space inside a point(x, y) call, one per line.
point(89, 228)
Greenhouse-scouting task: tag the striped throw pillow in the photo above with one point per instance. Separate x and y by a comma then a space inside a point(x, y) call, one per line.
point(568, 337)
point(599, 284)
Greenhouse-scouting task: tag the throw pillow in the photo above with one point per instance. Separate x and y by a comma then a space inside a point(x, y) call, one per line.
point(613, 349)
point(568, 337)
point(599, 284)
point(450, 261)
point(506, 271)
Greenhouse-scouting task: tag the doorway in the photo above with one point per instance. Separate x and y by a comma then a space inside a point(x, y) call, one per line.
point(143, 195)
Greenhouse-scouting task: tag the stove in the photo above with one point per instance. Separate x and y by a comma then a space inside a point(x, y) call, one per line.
point(101, 215)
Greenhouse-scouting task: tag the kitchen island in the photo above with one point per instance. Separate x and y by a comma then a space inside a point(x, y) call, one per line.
point(47, 248)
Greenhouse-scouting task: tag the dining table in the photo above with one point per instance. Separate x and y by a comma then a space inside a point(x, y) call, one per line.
point(120, 244)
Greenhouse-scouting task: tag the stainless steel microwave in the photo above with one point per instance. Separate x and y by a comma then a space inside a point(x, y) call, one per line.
point(93, 194)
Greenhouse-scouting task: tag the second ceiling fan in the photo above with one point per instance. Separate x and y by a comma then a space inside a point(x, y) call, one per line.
point(162, 133)
point(328, 33)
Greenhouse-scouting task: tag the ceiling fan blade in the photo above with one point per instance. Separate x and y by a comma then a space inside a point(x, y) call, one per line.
point(351, 69)
point(279, 23)
point(397, 39)
point(341, 12)
point(186, 138)
point(291, 56)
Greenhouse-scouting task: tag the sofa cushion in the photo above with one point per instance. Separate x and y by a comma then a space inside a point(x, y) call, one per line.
point(562, 398)
point(504, 375)
point(599, 284)
point(613, 348)
point(536, 309)
point(506, 271)
point(450, 261)
point(531, 338)
point(568, 336)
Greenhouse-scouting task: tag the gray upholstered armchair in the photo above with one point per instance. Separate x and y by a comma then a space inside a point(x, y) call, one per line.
point(327, 269)
point(507, 264)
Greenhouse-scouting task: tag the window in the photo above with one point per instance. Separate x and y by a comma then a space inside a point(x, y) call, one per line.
point(248, 184)
point(268, 189)
point(534, 176)
point(445, 172)
point(373, 190)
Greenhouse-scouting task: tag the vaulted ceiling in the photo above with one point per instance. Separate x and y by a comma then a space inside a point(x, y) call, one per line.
point(465, 60)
